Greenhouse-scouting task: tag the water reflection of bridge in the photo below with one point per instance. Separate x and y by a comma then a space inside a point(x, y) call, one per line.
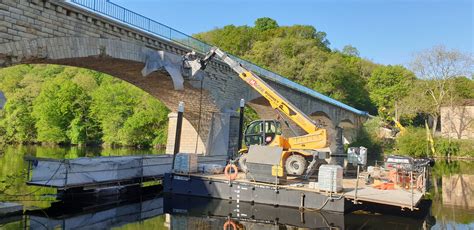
point(458, 190)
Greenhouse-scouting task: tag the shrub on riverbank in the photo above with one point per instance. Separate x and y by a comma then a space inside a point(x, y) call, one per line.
point(415, 143)
point(368, 136)
point(466, 148)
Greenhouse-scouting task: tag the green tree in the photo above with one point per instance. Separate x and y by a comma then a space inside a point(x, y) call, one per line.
point(61, 110)
point(350, 51)
point(463, 87)
point(17, 123)
point(413, 143)
point(388, 85)
point(112, 104)
point(10, 78)
point(147, 125)
point(20, 87)
point(236, 40)
point(262, 24)
point(340, 81)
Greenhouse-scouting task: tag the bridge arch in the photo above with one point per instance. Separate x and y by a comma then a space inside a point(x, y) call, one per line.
point(322, 119)
point(120, 59)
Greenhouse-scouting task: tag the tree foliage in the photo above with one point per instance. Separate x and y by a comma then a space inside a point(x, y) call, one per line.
point(350, 50)
point(388, 85)
point(302, 54)
point(60, 111)
point(265, 23)
point(463, 87)
point(66, 105)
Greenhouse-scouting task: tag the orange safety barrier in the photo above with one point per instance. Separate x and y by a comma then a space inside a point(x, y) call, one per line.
point(228, 174)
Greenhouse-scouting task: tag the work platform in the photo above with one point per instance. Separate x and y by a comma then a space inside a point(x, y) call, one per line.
point(99, 172)
point(102, 172)
point(293, 194)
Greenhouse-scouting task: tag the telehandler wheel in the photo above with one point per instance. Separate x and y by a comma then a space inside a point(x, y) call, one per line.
point(296, 165)
point(243, 162)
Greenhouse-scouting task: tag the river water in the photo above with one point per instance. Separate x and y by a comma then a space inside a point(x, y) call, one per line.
point(451, 199)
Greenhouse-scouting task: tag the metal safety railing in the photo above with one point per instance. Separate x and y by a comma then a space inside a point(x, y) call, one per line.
point(119, 13)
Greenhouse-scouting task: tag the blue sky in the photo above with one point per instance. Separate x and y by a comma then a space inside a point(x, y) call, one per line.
point(384, 31)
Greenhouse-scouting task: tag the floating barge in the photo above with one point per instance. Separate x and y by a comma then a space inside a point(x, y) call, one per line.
point(296, 194)
point(96, 173)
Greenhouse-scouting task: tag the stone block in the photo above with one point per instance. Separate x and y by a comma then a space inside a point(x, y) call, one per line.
point(14, 10)
point(59, 9)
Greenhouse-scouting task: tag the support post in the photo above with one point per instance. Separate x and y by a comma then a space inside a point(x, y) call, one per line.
point(179, 126)
point(424, 181)
point(66, 166)
point(357, 184)
point(29, 169)
point(241, 123)
point(302, 201)
point(411, 185)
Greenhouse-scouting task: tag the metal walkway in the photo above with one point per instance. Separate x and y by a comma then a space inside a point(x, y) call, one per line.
point(103, 171)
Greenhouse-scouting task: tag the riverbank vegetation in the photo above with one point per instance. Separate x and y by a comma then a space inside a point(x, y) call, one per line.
point(66, 105)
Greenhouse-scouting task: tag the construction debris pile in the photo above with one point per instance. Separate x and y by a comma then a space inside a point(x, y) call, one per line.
point(399, 172)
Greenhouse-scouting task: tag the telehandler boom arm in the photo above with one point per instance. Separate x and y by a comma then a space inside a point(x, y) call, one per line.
point(276, 100)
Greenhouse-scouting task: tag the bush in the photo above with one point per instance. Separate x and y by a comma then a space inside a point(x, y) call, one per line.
point(446, 148)
point(413, 143)
point(466, 148)
point(368, 136)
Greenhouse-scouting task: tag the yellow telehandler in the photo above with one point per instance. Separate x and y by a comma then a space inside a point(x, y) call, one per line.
point(297, 152)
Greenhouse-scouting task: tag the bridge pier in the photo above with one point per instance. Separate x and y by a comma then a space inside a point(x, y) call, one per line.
point(191, 142)
point(222, 135)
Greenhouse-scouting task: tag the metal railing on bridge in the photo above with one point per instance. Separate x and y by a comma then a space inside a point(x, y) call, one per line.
point(117, 12)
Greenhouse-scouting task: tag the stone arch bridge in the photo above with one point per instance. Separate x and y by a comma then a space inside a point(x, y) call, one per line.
point(90, 34)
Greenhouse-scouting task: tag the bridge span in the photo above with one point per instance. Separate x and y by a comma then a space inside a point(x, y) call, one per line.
point(103, 36)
